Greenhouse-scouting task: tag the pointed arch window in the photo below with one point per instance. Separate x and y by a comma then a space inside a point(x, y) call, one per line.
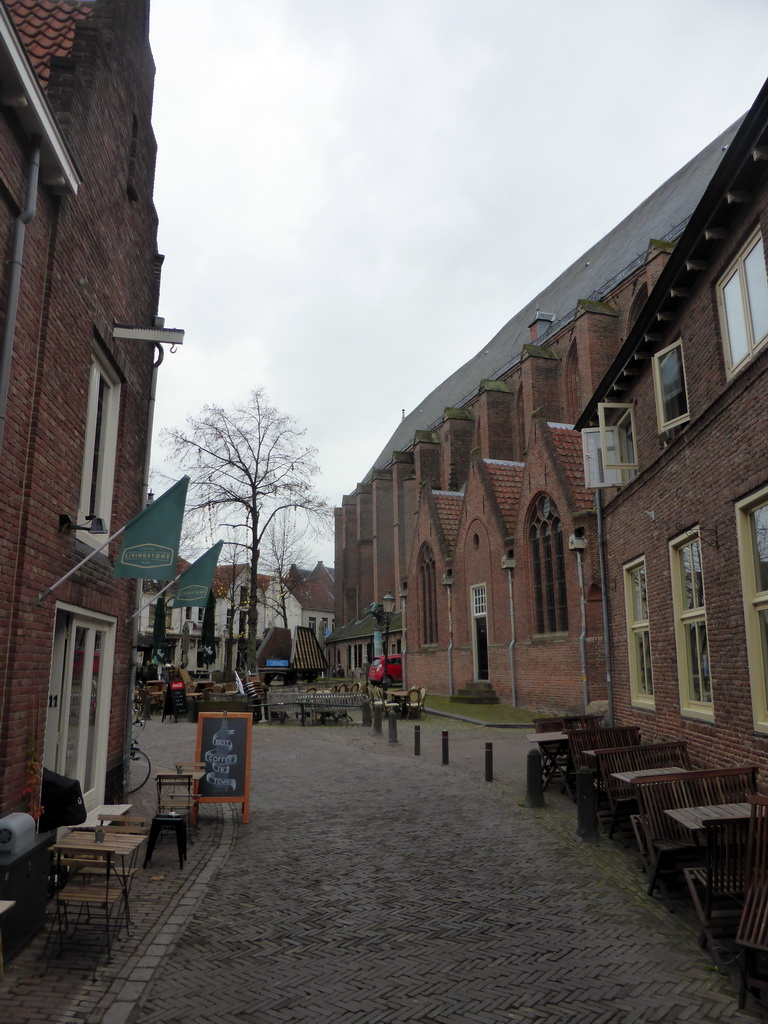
point(428, 595)
point(550, 598)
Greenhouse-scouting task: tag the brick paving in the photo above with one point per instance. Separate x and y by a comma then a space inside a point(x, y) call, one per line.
point(372, 885)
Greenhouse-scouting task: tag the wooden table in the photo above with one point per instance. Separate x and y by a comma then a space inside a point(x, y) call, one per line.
point(554, 756)
point(400, 697)
point(640, 773)
point(693, 818)
point(96, 816)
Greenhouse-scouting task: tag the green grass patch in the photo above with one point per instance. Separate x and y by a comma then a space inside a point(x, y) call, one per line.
point(498, 714)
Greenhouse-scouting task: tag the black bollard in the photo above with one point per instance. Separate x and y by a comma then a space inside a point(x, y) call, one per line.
point(586, 805)
point(376, 730)
point(445, 746)
point(489, 762)
point(392, 723)
point(535, 785)
point(367, 719)
point(417, 740)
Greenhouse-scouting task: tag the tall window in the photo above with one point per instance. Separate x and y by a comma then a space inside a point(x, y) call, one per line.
point(479, 609)
point(752, 525)
point(428, 596)
point(693, 666)
point(100, 444)
point(638, 633)
point(743, 293)
point(550, 598)
point(669, 382)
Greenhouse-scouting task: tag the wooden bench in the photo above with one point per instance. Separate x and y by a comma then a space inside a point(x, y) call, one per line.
point(598, 738)
point(665, 844)
point(619, 795)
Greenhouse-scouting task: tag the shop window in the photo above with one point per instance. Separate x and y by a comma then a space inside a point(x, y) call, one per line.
point(689, 607)
point(638, 633)
point(752, 527)
point(669, 385)
point(743, 299)
point(548, 568)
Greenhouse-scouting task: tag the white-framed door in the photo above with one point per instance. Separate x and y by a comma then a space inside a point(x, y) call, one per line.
point(79, 698)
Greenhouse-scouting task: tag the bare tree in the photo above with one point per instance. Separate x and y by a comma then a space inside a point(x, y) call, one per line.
point(250, 460)
point(285, 546)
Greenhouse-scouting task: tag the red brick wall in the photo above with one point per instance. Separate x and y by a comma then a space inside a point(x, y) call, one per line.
point(720, 457)
point(89, 260)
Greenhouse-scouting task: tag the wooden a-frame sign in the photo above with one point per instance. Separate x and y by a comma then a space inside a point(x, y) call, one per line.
point(224, 747)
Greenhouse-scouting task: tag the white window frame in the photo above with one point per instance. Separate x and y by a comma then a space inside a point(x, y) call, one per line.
point(595, 473)
point(98, 501)
point(614, 437)
point(687, 618)
point(755, 606)
point(638, 635)
point(737, 267)
point(668, 424)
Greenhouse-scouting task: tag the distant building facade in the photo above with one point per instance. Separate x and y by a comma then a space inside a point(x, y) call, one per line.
point(477, 517)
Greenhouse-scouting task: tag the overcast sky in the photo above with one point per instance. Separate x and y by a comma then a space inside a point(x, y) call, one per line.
point(355, 195)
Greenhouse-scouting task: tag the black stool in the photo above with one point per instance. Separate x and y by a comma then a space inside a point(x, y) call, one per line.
point(170, 822)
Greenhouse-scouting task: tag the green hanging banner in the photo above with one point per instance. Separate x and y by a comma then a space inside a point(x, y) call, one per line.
point(195, 583)
point(150, 547)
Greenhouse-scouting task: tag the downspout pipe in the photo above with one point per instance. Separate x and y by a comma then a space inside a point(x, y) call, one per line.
point(14, 278)
point(160, 355)
point(449, 591)
point(583, 634)
point(508, 563)
point(604, 589)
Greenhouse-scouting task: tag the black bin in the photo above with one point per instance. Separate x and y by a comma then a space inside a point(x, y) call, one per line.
point(62, 801)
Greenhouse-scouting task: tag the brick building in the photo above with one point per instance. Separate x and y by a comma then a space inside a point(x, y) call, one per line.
point(683, 410)
point(81, 346)
point(476, 515)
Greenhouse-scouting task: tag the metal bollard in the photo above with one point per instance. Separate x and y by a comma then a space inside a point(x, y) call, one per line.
point(392, 723)
point(489, 762)
point(586, 805)
point(417, 740)
point(534, 782)
point(376, 730)
point(367, 719)
point(445, 746)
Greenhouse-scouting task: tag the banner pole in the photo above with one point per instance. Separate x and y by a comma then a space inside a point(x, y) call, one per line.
point(169, 584)
point(108, 541)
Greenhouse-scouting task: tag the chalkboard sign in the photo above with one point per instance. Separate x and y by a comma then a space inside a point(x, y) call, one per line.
point(175, 700)
point(224, 747)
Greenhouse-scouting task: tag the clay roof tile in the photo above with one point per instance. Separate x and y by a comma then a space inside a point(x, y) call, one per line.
point(47, 29)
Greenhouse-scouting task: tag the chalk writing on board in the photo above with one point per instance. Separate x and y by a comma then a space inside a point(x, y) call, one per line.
point(220, 760)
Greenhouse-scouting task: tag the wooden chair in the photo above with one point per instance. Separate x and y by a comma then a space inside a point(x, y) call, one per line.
point(175, 794)
point(752, 933)
point(354, 687)
point(93, 893)
point(548, 724)
point(667, 844)
point(717, 889)
point(422, 700)
point(412, 705)
point(620, 796)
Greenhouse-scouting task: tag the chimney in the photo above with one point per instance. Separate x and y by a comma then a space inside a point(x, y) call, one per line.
point(540, 324)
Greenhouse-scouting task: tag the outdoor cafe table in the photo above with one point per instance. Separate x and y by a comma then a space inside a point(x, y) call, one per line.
point(554, 756)
point(400, 696)
point(693, 818)
point(124, 845)
point(630, 777)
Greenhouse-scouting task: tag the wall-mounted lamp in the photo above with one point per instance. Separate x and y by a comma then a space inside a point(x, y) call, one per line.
point(509, 561)
point(93, 524)
point(448, 578)
point(577, 540)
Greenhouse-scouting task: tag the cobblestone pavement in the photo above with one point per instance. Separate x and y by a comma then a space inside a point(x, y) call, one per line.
point(375, 886)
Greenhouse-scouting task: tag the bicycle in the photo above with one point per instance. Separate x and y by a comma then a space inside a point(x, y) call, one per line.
point(139, 765)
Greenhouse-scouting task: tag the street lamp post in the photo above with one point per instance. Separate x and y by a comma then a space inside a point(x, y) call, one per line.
point(383, 615)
